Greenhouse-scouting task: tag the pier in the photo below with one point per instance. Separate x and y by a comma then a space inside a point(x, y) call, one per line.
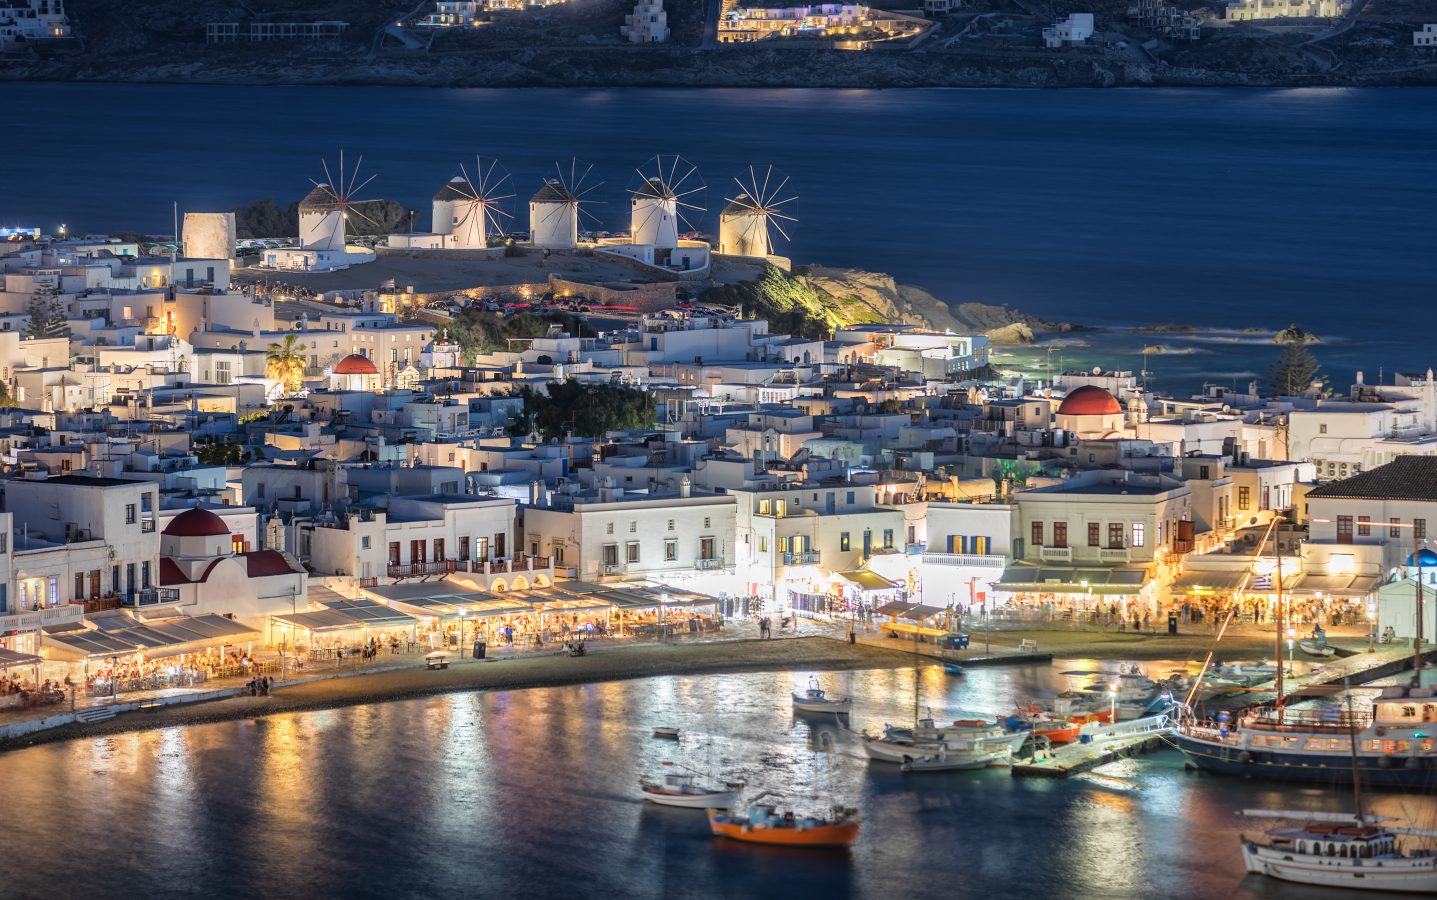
point(1097, 745)
point(1357, 670)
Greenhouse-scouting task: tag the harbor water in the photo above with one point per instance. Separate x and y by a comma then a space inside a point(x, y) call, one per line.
point(532, 793)
point(1218, 208)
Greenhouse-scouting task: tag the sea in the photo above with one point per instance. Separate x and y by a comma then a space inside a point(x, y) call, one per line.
point(532, 793)
point(1224, 209)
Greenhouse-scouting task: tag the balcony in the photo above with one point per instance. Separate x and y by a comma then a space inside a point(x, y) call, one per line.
point(612, 569)
point(1182, 546)
point(505, 566)
point(802, 558)
point(98, 604)
point(711, 563)
point(973, 560)
point(1055, 554)
point(421, 569)
point(30, 619)
point(152, 597)
point(1117, 555)
point(147, 524)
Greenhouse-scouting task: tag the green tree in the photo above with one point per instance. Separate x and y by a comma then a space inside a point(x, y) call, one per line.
point(285, 363)
point(1295, 368)
point(588, 410)
point(263, 219)
point(477, 331)
point(788, 303)
point(220, 455)
point(47, 317)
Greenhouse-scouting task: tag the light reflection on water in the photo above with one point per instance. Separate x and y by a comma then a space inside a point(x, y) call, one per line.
point(531, 793)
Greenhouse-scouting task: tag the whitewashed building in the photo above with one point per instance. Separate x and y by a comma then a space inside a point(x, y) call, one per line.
point(647, 24)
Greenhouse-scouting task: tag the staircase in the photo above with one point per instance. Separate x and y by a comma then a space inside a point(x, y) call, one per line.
point(91, 715)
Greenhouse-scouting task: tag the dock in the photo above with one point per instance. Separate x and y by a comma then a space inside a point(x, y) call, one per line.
point(1105, 744)
point(1356, 670)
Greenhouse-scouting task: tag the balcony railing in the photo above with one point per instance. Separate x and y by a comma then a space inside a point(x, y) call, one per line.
point(711, 563)
point(612, 569)
point(152, 597)
point(506, 566)
point(422, 569)
point(1113, 555)
point(1055, 554)
point(976, 560)
point(98, 604)
point(801, 558)
point(147, 524)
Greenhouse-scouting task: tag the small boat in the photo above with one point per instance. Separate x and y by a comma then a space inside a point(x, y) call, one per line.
point(682, 789)
point(764, 825)
point(666, 731)
point(1315, 644)
point(952, 669)
point(1239, 674)
point(1340, 851)
point(815, 700)
point(946, 760)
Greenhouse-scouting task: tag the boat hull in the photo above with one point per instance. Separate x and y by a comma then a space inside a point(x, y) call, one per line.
point(1404, 875)
point(1314, 649)
point(717, 800)
point(837, 835)
point(822, 706)
point(1333, 768)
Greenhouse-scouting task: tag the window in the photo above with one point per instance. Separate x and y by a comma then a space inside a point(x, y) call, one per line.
point(1344, 529)
point(765, 507)
point(145, 573)
point(259, 489)
point(4, 542)
point(888, 539)
point(79, 585)
point(783, 545)
point(394, 553)
point(1322, 429)
point(633, 527)
point(364, 543)
point(671, 550)
point(1095, 537)
point(706, 522)
point(1203, 473)
point(671, 524)
point(611, 554)
point(222, 372)
point(1140, 537)
point(850, 498)
point(239, 545)
point(1394, 529)
point(481, 548)
point(1419, 530)
point(1364, 526)
point(1244, 497)
point(1115, 535)
point(844, 544)
point(631, 553)
point(463, 549)
point(130, 516)
point(439, 549)
point(763, 543)
point(1037, 530)
point(609, 529)
point(706, 548)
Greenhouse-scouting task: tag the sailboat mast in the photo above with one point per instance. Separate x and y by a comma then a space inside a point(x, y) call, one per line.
point(1352, 748)
point(1279, 629)
point(1417, 638)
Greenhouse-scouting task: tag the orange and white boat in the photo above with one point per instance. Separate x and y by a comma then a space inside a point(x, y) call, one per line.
point(764, 825)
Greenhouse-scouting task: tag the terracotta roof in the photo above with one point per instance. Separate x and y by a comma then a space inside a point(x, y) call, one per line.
point(354, 364)
point(197, 522)
point(1089, 400)
point(1405, 478)
point(260, 563)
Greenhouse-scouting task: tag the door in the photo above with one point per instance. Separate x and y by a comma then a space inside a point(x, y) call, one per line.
point(95, 584)
point(418, 551)
point(867, 543)
point(499, 545)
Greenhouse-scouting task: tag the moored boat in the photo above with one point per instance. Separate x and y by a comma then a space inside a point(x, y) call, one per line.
point(952, 669)
point(814, 699)
point(764, 825)
point(1340, 851)
point(683, 789)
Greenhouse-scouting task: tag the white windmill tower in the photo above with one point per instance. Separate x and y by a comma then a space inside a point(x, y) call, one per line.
point(760, 204)
point(555, 210)
point(325, 209)
point(668, 186)
point(468, 210)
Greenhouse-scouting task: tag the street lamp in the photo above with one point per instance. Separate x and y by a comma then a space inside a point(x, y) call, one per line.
point(283, 644)
point(663, 627)
point(461, 632)
point(1291, 636)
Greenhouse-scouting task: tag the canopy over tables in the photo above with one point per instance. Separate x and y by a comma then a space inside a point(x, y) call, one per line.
point(1066, 580)
point(865, 580)
point(448, 600)
point(1208, 583)
point(170, 636)
point(346, 615)
point(1347, 587)
point(10, 658)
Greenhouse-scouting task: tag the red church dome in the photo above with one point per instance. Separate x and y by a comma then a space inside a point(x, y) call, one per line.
point(354, 364)
point(196, 522)
point(1090, 400)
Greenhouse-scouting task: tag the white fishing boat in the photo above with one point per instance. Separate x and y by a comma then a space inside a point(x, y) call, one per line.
point(989, 740)
point(683, 789)
point(814, 699)
point(666, 731)
point(946, 760)
point(1240, 674)
point(1341, 851)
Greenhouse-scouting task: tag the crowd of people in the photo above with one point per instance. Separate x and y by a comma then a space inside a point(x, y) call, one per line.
point(20, 692)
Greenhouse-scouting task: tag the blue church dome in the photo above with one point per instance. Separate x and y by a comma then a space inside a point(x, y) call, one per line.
point(1424, 557)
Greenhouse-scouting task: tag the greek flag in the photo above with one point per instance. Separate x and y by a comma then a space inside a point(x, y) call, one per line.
point(1261, 582)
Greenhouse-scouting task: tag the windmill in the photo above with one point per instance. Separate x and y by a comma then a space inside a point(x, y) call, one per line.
point(667, 187)
point(554, 211)
point(324, 210)
point(764, 201)
point(468, 210)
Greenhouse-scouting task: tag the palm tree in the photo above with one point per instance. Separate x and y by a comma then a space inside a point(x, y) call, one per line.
point(285, 364)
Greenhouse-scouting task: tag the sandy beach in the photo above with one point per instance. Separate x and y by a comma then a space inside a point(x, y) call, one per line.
point(605, 663)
